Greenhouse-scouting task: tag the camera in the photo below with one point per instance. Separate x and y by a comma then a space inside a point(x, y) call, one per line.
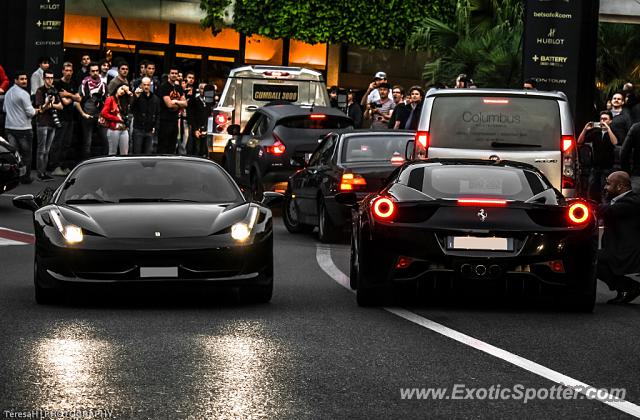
point(373, 105)
point(597, 124)
point(50, 99)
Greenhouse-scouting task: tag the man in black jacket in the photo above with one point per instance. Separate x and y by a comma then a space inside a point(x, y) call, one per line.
point(198, 112)
point(146, 110)
point(620, 253)
point(630, 156)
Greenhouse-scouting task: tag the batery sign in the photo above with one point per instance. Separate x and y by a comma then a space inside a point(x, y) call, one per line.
point(275, 93)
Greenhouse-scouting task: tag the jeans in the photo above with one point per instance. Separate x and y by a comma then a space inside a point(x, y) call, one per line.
point(167, 137)
point(45, 140)
point(197, 146)
point(118, 139)
point(22, 140)
point(142, 142)
point(89, 126)
point(59, 153)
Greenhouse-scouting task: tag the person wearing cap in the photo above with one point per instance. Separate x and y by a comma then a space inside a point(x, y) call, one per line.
point(373, 94)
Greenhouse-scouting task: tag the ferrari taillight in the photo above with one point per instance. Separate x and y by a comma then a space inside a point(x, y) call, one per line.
point(578, 213)
point(384, 208)
point(352, 182)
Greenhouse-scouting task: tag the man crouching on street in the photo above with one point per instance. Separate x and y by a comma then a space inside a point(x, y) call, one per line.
point(620, 253)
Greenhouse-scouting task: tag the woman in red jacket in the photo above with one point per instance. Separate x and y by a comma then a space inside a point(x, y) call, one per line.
point(115, 112)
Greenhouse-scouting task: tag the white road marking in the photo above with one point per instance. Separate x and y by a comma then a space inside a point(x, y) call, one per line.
point(7, 242)
point(9, 195)
point(14, 237)
point(323, 256)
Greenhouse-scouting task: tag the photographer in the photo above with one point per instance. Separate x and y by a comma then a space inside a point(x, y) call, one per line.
point(380, 111)
point(146, 110)
point(115, 112)
point(603, 141)
point(60, 154)
point(47, 103)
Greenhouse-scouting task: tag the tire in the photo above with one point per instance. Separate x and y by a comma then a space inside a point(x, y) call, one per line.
point(327, 232)
point(290, 218)
point(260, 293)
point(44, 296)
point(256, 188)
point(353, 275)
point(367, 295)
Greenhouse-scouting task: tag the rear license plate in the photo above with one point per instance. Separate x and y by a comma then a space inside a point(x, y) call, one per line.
point(146, 272)
point(479, 243)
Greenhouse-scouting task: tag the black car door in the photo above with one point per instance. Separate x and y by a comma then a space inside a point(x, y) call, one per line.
point(322, 173)
point(304, 186)
point(247, 150)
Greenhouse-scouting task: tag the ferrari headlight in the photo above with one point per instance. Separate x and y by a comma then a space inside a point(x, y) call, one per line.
point(242, 230)
point(71, 233)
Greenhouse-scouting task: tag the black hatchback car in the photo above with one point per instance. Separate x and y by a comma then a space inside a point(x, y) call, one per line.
point(274, 144)
point(11, 166)
point(357, 161)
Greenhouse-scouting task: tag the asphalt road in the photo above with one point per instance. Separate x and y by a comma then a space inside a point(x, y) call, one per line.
point(310, 353)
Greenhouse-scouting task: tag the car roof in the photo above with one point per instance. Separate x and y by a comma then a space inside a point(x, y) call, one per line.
point(472, 162)
point(299, 73)
point(494, 92)
point(362, 132)
point(290, 110)
point(104, 159)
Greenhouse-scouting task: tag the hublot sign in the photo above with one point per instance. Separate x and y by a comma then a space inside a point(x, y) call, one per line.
point(45, 32)
point(559, 49)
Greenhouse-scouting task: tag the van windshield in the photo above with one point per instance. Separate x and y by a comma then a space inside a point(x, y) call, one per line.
point(488, 122)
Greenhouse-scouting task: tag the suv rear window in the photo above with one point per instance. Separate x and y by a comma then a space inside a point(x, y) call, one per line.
point(488, 122)
point(374, 148)
point(453, 182)
point(329, 122)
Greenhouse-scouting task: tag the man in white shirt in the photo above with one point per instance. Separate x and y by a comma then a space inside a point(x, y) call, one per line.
point(37, 78)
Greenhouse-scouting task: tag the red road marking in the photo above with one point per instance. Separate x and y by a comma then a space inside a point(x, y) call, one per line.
point(14, 235)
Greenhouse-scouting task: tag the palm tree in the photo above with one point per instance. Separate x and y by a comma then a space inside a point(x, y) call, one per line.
point(484, 41)
point(618, 61)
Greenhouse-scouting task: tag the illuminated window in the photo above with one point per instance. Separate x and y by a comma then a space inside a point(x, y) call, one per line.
point(307, 55)
point(194, 35)
point(262, 50)
point(82, 30)
point(139, 30)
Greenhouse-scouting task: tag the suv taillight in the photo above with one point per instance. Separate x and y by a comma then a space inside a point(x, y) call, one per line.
point(278, 147)
point(568, 143)
point(422, 145)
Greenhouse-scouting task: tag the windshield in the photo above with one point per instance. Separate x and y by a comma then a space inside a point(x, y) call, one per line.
point(374, 148)
point(473, 181)
point(485, 122)
point(149, 180)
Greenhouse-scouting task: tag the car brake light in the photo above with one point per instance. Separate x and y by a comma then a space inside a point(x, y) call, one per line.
point(383, 208)
point(396, 159)
point(221, 119)
point(317, 116)
point(567, 143)
point(351, 181)
point(578, 213)
point(276, 73)
point(481, 202)
point(278, 147)
point(556, 266)
point(495, 101)
point(403, 262)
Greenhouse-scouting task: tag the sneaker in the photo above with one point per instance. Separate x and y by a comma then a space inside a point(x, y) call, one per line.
point(44, 177)
point(58, 172)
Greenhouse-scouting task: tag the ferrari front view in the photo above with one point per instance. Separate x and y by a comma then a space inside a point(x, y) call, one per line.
point(147, 220)
point(481, 223)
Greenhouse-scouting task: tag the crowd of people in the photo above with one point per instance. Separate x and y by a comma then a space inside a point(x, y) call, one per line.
point(100, 109)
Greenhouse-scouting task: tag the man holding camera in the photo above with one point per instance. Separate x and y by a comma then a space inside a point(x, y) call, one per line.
point(58, 158)
point(603, 140)
point(373, 94)
point(146, 110)
point(48, 103)
point(380, 111)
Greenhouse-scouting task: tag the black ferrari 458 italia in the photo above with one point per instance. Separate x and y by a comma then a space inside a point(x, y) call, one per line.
point(472, 222)
point(150, 219)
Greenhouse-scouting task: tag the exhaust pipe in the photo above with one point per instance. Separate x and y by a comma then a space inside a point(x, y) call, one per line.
point(481, 270)
point(466, 270)
point(495, 271)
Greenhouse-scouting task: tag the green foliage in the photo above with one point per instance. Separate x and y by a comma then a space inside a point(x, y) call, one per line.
point(618, 61)
point(214, 14)
point(483, 40)
point(368, 23)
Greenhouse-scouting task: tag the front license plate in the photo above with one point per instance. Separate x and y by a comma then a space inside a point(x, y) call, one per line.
point(146, 272)
point(479, 243)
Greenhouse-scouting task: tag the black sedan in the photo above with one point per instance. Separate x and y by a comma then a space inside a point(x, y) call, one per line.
point(12, 167)
point(472, 223)
point(358, 161)
point(150, 219)
point(274, 143)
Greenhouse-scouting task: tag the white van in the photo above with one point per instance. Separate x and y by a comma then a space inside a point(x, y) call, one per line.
point(251, 87)
point(529, 126)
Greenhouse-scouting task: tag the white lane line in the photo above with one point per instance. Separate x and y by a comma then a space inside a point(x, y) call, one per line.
point(323, 256)
point(8, 242)
point(8, 195)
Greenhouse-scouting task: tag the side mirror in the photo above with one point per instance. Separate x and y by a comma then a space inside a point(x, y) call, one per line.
point(233, 129)
point(348, 199)
point(26, 202)
point(408, 150)
point(271, 198)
